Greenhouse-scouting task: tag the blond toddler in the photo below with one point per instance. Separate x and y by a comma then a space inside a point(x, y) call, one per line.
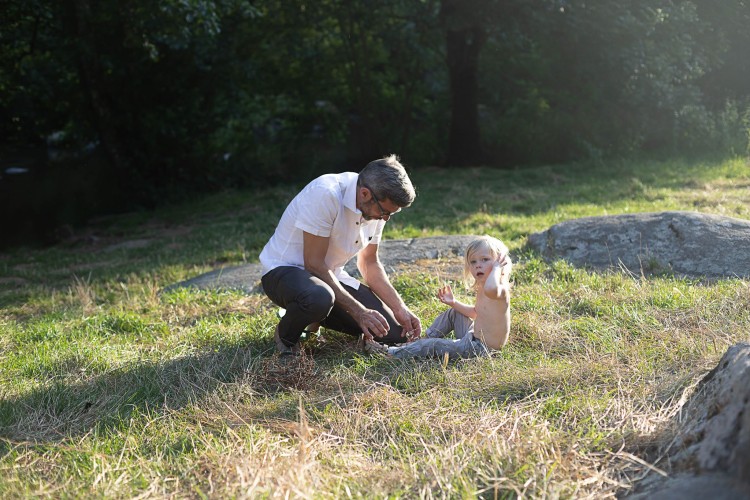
point(477, 328)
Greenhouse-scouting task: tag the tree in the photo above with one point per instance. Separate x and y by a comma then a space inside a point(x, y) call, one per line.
point(92, 77)
point(465, 35)
point(570, 79)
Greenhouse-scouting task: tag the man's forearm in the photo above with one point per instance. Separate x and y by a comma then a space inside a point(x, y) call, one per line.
point(376, 278)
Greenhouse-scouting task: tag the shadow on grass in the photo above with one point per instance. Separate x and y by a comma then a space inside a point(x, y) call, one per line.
point(109, 401)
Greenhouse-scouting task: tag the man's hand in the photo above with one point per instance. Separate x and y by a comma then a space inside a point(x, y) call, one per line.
point(411, 328)
point(445, 294)
point(372, 323)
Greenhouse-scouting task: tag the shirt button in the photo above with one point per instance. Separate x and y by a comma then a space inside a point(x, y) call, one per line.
point(356, 241)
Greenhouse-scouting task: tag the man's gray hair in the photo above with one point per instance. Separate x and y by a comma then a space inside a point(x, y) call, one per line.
point(387, 178)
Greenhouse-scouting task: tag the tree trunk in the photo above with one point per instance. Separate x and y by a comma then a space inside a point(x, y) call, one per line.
point(464, 142)
point(91, 76)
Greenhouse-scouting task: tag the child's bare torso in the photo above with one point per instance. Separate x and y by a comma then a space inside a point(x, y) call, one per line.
point(492, 323)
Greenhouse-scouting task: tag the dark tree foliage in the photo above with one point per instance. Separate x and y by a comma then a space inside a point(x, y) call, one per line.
point(179, 96)
point(728, 23)
point(574, 79)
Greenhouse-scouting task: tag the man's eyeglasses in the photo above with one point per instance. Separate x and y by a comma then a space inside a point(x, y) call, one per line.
point(384, 214)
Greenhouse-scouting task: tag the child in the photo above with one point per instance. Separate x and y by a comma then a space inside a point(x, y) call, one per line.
point(477, 328)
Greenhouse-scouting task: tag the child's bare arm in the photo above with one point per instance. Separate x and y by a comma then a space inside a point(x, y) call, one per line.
point(445, 294)
point(497, 281)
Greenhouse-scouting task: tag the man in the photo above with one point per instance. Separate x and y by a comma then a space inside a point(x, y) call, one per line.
point(333, 218)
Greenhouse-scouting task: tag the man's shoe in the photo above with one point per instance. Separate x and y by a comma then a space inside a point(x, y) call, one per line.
point(281, 346)
point(312, 332)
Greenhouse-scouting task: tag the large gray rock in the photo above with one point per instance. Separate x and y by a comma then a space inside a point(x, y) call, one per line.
point(714, 432)
point(685, 243)
point(710, 453)
point(392, 253)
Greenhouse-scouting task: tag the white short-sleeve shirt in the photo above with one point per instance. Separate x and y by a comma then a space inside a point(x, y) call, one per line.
point(325, 207)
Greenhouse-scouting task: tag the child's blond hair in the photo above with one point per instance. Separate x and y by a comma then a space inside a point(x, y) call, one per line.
point(496, 248)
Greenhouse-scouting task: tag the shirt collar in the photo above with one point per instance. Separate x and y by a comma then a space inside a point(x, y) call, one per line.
point(350, 196)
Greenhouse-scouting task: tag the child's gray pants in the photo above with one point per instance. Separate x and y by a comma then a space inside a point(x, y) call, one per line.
point(464, 346)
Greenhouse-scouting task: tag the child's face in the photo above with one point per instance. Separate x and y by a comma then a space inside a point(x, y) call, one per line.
point(480, 264)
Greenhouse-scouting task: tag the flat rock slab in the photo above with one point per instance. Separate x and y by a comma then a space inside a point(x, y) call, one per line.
point(684, 243)
point(392, 254)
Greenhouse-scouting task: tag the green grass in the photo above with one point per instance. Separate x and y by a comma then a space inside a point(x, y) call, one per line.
point(110, 388)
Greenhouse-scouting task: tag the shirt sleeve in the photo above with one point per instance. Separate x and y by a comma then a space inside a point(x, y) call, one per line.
point(317, 211)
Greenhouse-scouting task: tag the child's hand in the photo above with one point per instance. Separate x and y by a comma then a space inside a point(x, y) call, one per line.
point(504, 263)
point(445, 294)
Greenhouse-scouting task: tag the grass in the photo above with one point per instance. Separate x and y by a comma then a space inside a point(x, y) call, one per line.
point(109, 388)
